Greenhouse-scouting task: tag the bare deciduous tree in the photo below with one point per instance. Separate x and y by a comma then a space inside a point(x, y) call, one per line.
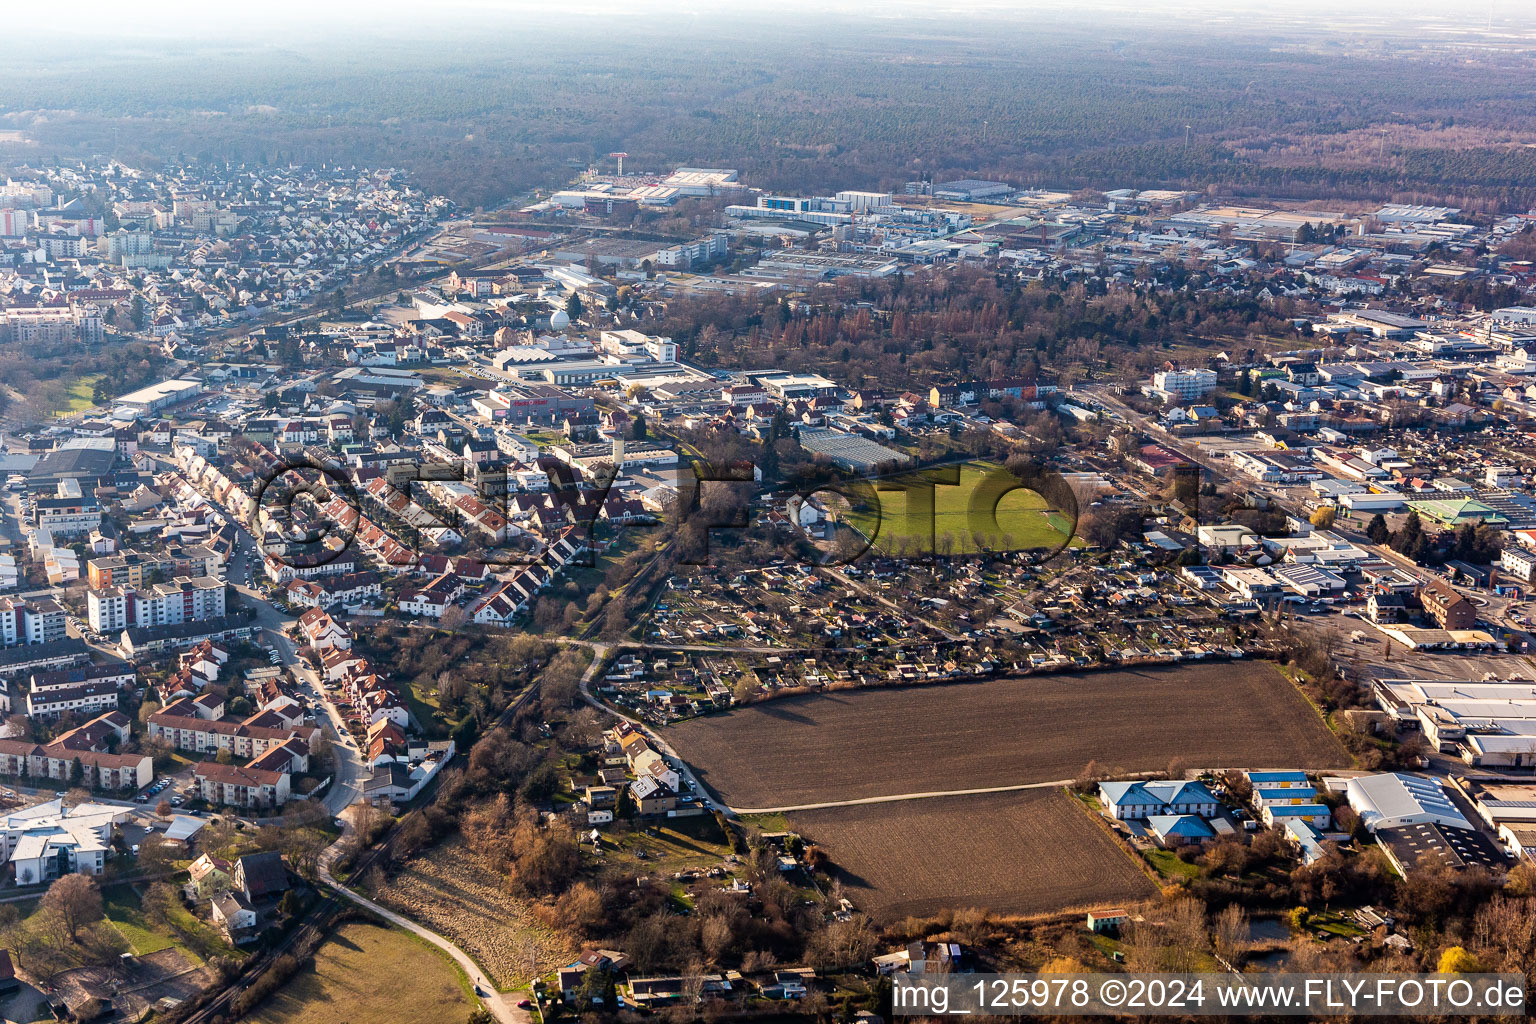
point(1230, 933)
point(75, 901)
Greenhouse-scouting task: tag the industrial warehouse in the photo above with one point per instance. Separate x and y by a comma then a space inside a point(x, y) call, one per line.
point(1486, 723)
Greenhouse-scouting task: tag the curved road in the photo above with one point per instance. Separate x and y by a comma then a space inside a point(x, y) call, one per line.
point(503, 1010)
point(347, 779)
point(600, 653)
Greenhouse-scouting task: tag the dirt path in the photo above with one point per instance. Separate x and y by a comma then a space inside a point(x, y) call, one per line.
point(897, 797)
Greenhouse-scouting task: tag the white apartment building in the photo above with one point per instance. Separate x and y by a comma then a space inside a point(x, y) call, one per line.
point(42, 621)
point(1185, 384)
point(629, 344)
point(35, 622)
point(686, 254)
point(107, 609)
point(54, 325)
point(181, 600)
point(1518, 562)
point(45, 840)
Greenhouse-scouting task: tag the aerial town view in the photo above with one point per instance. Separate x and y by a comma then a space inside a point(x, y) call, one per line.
point(821, 513)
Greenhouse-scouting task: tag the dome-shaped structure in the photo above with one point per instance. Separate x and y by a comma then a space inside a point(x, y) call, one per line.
point(559, 320)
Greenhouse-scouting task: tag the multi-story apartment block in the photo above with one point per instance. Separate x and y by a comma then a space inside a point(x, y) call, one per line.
point(43, 621)
point(36, 621)
point(82, 757)
point(68, 516)
point(180, 725)
point(79, 699)
point(86, 689)
point(1449, 609)
point(181, 600)
point(106, 609)
point(1185, 384)
point(46, 840)
point(240, 785)
point(133, 569)
point(53, 325)
point(1519, 562)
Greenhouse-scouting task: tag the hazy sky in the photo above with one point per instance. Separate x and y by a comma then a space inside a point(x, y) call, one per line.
point(182, 19)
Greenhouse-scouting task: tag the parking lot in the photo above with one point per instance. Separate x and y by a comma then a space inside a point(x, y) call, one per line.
point(170, 788)
point(1367, 653)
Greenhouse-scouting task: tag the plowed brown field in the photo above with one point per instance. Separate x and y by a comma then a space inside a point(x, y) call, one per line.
point(1012, 853)
point(859, 744)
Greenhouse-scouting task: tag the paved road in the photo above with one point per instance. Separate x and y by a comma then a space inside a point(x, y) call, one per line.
point(1059, 783)
point(499, 1005)
point(348, 772)
point(600, 653)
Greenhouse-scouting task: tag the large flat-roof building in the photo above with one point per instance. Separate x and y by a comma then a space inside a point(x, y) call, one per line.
point(850, 451)
point(1489, 723)
point(1396, 798)
point(160, 396)
point(89, 459)
point(1430, 845)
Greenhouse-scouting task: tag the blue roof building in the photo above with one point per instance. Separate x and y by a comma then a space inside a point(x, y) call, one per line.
point(1132, 801)
point(1313, 814)
point(1180, 829)
point(1278, 780)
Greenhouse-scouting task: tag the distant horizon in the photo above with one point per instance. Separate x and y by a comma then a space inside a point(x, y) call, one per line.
point(276, 22)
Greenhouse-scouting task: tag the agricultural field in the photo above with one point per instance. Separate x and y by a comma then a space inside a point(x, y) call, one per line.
point(1011, 853)
point(449, 890)
point(975, 515)
point(1035, 729)
point(345, 983)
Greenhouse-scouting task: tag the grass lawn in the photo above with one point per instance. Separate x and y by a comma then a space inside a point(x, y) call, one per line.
point(346, 984)
point(425, 708)
point(441, 374)
point(79, 394)
point(1334, 923)
point(1104, 944)
point(965, 518)
point(198, 938)
point(1168, 864)
point(767, 822)
point(122, 907)
point(678, 845)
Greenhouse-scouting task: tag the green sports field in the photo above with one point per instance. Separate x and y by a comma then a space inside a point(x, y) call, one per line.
point(980, 514)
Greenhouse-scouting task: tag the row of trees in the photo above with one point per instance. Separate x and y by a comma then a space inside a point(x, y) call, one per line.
point(1477, 543)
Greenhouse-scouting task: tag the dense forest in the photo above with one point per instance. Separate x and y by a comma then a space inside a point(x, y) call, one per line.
point(966, 322)
point(818, 103)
